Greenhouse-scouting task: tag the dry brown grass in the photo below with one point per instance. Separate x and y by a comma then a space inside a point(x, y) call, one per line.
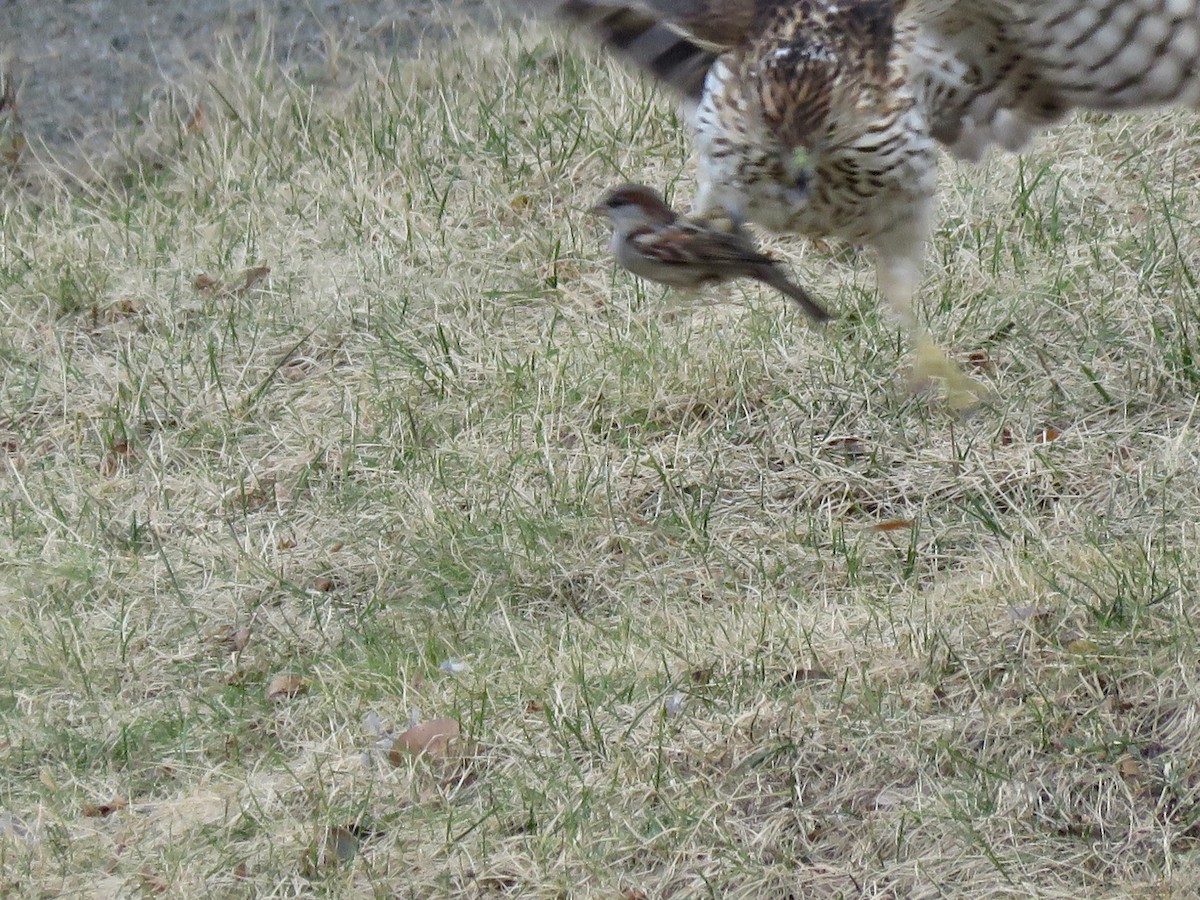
point(737, 616)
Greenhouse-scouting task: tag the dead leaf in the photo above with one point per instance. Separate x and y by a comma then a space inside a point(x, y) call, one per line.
point(232, 637)
point(250, 277)
point(431, 738)
point(797, 676)
point(285, 543)
point(323, 583)
point(1027, 613)
point(1005, 438)
point(534, 706)
point(296, 369)
point(195, 121)
point(284, 685)
point(205, 282)
point(152, 882)
point(892, 525)
point(1047, 434)
point(852, 447)
point(1081, 645)
point(95, 810)
point(337, 845)
point(336, 546)
point(118, 453)
point(890, 798)
point(1130, 768)
point(980, 360)
point(1121, 457)
point(241, 871)
point(16, 147)
point(124, 306)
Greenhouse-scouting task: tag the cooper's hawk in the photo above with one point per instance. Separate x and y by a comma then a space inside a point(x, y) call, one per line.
point(822, 117)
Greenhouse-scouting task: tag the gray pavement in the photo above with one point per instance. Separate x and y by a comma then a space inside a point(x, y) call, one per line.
point(80, 68)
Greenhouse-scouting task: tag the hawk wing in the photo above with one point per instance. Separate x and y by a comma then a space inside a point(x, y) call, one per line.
point(985, 71)
point(994, 71)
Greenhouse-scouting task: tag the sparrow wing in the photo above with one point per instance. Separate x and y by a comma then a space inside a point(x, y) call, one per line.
point(685, 243)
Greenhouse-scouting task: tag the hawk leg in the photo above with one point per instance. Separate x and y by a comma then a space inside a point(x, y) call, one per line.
point(931, 367)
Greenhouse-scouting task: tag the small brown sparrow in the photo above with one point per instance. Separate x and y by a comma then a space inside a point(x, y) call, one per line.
point(653, 242)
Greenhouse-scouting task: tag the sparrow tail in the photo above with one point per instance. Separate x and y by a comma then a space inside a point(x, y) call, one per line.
point(776, 279)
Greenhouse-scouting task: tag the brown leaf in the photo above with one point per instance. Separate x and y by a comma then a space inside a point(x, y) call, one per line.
point(1027, 613)
point(1121, 457)
point(797, 676)
point(323, 583)
point(892, 525)
point(15, 149)
point(195, 121)
point(334, 846)
point(250, 277)
point(118, 452)
point(95, 810)
point(205, 282)
point(431, 738)
point(124, 306)
point(1005, 438)
point(980, 360)
point(1130, 768)
point(534, 706)
point(852, 447)
point(152, 882)
point(231, 637)
point(1047, 434)
point(296, 369)
point(285, 543)
point(284, 685)
point(241, 871)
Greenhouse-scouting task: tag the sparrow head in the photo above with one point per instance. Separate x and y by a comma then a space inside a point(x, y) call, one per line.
point(633, 203)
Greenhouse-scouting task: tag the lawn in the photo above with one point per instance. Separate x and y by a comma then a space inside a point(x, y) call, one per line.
point(331, 416)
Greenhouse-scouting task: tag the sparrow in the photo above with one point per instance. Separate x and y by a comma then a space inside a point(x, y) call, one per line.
point(654, 242)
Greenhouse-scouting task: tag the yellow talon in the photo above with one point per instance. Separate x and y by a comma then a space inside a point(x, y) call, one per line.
point(932, 367)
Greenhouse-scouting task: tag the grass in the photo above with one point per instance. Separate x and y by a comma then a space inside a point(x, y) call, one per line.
point(719, 608)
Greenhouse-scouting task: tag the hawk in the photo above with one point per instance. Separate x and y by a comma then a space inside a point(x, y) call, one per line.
point(824, 117)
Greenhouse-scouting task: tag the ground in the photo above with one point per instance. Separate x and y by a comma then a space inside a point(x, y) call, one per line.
point(324, 414)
